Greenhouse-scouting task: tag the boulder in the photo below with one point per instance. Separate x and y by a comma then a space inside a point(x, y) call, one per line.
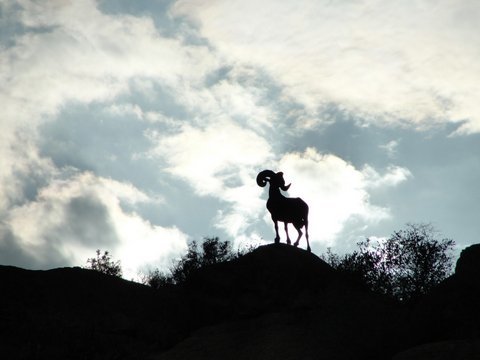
point(445, 350)
point(468, 264)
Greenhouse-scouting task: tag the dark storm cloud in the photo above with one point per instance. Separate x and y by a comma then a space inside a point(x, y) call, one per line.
point(341, 135)
point(88, 222)
point(11, 253)
point(82, 220)
point(71, 218)
point(190, 211)
point(86, 139)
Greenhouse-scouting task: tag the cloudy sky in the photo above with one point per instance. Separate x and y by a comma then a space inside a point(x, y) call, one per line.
point(136, 126)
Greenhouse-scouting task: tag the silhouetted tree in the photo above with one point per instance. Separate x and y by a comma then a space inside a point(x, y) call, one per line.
point(405, 266)
point(216, 251)
point(188, 263)
point(210, 251)
point(105, 264)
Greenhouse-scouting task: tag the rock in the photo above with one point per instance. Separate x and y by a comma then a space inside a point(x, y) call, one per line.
point(445, 350)
point(468, 265)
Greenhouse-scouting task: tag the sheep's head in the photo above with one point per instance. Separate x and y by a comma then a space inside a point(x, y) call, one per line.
point(275, 179)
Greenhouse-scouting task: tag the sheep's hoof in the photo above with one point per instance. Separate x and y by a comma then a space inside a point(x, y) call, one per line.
point(289, 242)
point(296, 244)
point(309, 250)
point(277, 240)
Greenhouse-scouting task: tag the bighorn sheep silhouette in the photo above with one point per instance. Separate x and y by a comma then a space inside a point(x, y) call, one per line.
point(286, 210)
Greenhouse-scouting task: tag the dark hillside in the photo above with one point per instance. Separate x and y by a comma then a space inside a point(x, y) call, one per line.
point(277, 302)
point(78, 314)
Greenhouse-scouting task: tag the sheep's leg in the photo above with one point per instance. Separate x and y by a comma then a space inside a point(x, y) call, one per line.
point(299, 234)
point(306, 235)
point(277, 237)
point(286, 232)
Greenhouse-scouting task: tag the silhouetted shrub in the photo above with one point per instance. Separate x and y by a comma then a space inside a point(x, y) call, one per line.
point(405, 266)
point(105, 264)
point(157, 279)
point(210, 251)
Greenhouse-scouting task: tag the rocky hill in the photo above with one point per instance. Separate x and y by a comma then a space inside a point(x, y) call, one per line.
point(277, 302)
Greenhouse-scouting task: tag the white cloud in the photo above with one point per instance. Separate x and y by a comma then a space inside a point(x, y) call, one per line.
point(393, 176)
point(244, 101)
point(245, 208)
point(144, 245)
point(391, 148)
point(409, 62)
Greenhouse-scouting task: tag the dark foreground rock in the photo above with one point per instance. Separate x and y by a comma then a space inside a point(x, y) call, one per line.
point(467, 349)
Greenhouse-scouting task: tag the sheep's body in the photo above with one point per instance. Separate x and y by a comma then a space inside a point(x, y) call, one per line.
point(282, 210)
point(287, 210)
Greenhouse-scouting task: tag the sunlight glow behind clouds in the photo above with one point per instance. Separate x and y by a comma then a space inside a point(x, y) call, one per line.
point(335, 191)
point(208, 158)
point(219, 161)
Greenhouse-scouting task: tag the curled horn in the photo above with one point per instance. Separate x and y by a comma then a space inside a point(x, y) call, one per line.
point(264, 176)
point(283, 187)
